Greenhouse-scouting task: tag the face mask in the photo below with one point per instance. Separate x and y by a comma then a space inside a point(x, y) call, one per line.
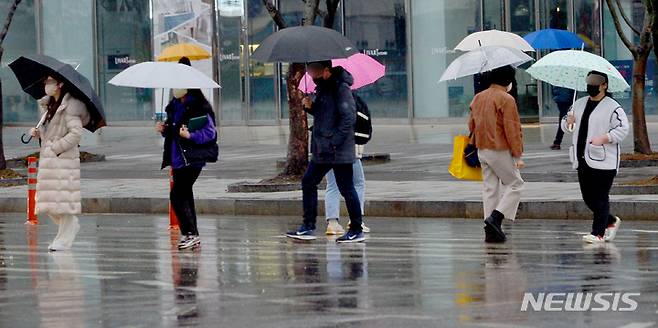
point(593, 90)
point(179, 93)
point(509, 87)
point(50, 89)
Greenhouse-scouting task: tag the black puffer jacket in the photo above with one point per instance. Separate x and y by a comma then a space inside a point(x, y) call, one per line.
point(334, 117)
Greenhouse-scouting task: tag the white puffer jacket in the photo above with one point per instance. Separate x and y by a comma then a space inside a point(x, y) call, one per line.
point(58, 179)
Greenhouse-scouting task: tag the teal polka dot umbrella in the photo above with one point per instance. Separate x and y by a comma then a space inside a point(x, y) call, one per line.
point(569, 68)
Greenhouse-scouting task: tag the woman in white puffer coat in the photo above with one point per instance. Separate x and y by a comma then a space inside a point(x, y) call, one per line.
point(58, 178)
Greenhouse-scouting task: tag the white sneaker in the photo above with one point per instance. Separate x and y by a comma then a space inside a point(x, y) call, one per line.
point(364, 228)
point(334, 228)
point(55, 246)
point(591, 239)
point(611, 230)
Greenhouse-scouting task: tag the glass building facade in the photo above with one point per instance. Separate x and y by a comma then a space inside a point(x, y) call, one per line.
point(412, 38)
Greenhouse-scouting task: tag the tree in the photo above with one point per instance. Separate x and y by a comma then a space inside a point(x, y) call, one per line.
point(297, 156)
point(640, 52)
point(3, 35)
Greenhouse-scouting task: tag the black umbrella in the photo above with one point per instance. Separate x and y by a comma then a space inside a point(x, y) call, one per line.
point(303, 44)
point(32, 70)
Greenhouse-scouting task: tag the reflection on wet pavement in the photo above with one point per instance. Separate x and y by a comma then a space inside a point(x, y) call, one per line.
point(126, 271)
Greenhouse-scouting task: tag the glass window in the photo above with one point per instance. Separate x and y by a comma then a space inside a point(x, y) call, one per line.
point(588, 23)
point(522, 22)
point(231, 68)
point(18, 105)
point(617, 53)
point(261, 75)
point(124, 38)
point(554, 14)
point(493, 14)
point(380, 32)
point(67, 34)
point(437, 27)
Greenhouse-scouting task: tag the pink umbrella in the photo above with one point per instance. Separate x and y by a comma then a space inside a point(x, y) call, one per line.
point(364, 69)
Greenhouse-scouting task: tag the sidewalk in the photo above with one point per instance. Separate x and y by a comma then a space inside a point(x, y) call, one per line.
point(415, 182)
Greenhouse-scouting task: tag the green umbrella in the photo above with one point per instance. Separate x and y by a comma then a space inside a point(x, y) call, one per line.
point(569, 68)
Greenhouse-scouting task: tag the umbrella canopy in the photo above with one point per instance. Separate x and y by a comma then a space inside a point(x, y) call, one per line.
point(364, 69)
point(303, 44)
point(554, 39)
point(163, 75)
point(483, 60)
point(32, 70)
point(493, 38)
point(189, 50)
point(569, 68)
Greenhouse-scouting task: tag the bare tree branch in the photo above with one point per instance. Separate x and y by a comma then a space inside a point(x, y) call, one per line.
point(10, 16)
point(332, 7)
point(310, 12)
point(319, 11)
point(625, 17)
point(275, 14)
point(615, 18)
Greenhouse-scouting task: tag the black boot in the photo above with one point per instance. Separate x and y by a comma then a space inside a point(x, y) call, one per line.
point(493, 231)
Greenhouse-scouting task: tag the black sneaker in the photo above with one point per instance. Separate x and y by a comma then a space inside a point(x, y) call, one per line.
point(189, 242)
point(303, 233)
point(351, 237)
point(493, 232)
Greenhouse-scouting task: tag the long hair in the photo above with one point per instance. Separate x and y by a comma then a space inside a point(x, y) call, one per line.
point(53, 104)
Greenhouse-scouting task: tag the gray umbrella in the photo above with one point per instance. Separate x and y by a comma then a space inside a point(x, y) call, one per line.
point(303, 44)
point(32, 70)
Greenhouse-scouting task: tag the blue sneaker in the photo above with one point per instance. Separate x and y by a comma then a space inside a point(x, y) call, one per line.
point(303, 233)
point(351, 237)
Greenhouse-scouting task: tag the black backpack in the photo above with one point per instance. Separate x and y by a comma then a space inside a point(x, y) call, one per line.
point(363, 128)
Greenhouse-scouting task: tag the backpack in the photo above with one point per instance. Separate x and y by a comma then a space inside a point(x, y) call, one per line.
point(363, 128)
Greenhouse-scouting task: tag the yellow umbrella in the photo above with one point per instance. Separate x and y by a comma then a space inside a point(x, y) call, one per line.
point(189, 50)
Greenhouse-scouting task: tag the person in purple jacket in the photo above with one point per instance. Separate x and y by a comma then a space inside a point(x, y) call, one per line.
point(187, 152)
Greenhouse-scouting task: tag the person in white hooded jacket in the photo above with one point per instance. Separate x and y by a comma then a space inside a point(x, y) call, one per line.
point(599, 126)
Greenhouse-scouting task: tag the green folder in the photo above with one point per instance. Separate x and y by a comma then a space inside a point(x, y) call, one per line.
point(197, 123)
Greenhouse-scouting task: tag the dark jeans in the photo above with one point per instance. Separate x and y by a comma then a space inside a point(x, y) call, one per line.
point(595, 186)
point(182, 199)
point(343, 174)
point(564, 110)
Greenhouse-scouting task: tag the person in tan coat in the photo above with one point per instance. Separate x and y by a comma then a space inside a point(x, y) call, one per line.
point(496, 131)
point(58, 178)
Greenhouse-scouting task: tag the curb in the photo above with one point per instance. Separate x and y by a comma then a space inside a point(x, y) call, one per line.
point(571, 210)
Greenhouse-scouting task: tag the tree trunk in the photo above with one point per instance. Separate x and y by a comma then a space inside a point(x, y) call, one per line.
point(640, 135)
point(297, 159)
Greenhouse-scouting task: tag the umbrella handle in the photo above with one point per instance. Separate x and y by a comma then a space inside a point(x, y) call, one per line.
point(26, 141)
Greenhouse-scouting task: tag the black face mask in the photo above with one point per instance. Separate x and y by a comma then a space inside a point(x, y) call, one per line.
point(593, 90)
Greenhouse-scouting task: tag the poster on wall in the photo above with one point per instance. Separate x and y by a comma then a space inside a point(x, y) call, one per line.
point(178, 22)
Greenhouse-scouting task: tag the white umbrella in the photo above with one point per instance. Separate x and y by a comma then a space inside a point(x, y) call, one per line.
point(493, 38)
point(165, 75)
point(482, 60)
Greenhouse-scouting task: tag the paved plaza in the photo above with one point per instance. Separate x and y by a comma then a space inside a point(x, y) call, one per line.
point(124, 271)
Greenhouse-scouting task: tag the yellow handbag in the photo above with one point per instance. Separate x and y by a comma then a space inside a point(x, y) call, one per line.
point(458, 167)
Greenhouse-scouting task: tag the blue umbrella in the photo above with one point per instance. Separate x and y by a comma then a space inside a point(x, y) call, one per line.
point(554, 39)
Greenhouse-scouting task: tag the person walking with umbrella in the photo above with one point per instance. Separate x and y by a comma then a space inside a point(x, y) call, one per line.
point(563, 97)
point(599, 125)
point(496, 131)
point(333, 147)
point(187, 152)
point(67, 104)
point(58, 178)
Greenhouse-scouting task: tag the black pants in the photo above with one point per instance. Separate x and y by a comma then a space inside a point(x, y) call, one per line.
point(595, 186)
point(564, 110)
point(182, 199)
point(343, 174)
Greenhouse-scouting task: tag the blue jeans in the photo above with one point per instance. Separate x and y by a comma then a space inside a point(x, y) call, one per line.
point(312, 178)
point(332, 195)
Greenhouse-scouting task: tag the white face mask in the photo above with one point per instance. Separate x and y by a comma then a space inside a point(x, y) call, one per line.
point(509, 87)
point(179, 93)
point(50, 89)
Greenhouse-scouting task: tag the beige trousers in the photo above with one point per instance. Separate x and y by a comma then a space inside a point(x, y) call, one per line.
point(68, 229)
point(502, 183)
